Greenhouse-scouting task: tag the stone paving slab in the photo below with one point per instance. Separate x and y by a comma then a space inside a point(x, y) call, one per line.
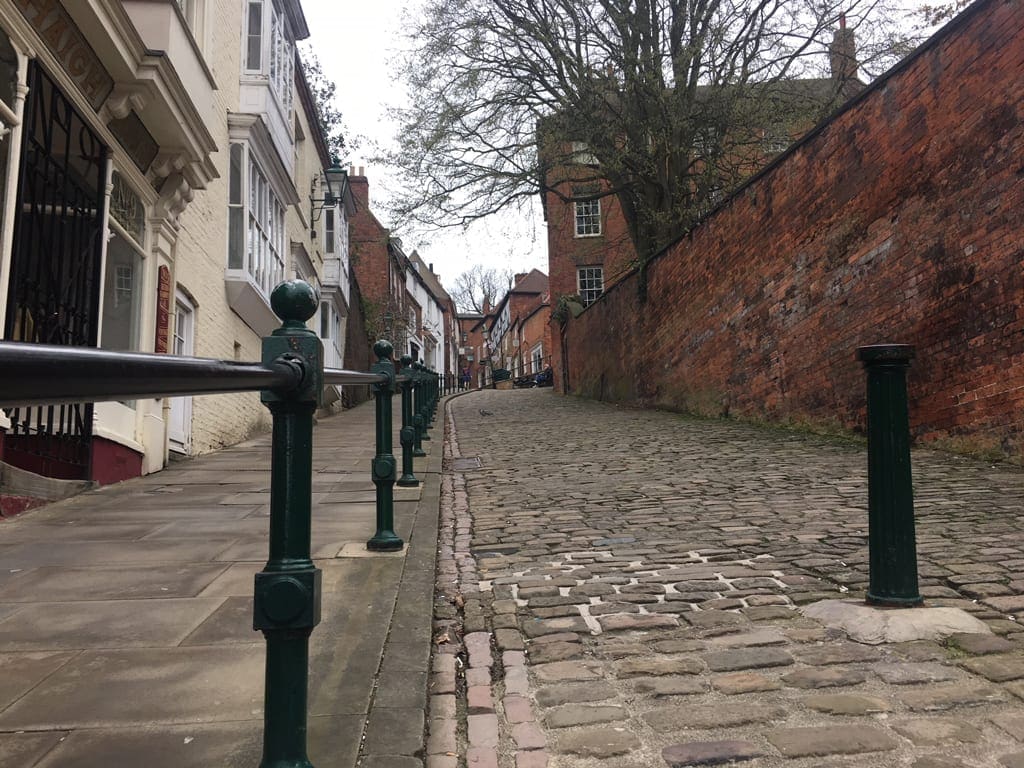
point(651, 568)
point(126, 615)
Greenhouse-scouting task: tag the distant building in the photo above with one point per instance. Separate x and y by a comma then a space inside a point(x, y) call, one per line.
point(589, 247)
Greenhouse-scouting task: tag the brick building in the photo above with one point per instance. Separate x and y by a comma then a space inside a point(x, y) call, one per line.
point(518, 332)
point(589, 246)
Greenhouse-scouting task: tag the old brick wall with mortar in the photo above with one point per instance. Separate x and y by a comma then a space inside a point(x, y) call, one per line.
point(899, 220)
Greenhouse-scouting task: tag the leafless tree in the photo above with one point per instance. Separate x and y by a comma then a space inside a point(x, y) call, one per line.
point(664, 99)
point(478, 286)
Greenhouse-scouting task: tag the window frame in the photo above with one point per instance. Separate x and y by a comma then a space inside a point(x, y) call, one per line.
point(587, 292)
point(263, 244)
point(587, 220)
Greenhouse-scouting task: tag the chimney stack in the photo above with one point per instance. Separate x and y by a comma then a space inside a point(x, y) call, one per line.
point(842, 53)
point(360, 187)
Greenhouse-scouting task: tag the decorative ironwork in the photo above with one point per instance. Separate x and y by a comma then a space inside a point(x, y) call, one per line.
point(126, 209)
point(55, 270)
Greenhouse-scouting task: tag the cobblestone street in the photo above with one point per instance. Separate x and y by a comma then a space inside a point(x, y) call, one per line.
point(631, 584)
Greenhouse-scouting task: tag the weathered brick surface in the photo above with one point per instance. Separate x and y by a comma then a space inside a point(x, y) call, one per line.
point(897, 221)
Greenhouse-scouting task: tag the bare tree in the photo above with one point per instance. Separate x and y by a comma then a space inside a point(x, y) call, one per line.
point(478, 286)
point(662, 103)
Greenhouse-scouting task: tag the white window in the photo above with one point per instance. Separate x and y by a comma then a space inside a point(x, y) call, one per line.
point(122, 284)
point(581, 154)
point(256, 235)
point(537, 358)
point(329, 231)
point(270, 49)
point(588, 218)
point(591, 283)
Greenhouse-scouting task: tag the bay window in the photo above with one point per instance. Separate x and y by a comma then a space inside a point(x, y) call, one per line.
point(256, 234)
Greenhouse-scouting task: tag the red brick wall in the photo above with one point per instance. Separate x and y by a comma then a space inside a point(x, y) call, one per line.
point(898, 221)
point(358, 347)
point(368, 245)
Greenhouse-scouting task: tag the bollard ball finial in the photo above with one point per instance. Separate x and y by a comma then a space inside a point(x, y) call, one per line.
point(383, 349)
point(294, 301)
point(406, 361)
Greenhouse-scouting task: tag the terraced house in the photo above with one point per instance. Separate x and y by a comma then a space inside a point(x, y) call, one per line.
point(162, 167)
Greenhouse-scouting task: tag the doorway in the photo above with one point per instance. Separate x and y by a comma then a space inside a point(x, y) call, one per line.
point(179, 426)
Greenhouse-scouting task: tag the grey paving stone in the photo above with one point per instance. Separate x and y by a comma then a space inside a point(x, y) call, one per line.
point(709, 753)
point(939, 698)
point(597, 742)
point(846, 739)
point(570, 715)
point(744, 682)
point(823, 677)
point(746, 658)
point(847, 704)
point(998, 669)
point(654, 666)
point(979, 645)
point(567, 693)
point(913, 674)
point(671, 685)
point(937, 730)
point(715, 715)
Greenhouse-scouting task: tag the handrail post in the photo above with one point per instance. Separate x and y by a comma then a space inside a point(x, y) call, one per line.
point(383, 464)
point(286, 604)
point(407, 435)
point(420, 394)
point(892, 545)
point(424, 411)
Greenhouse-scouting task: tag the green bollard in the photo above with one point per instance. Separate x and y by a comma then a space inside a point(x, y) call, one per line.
point(892, 544)
point(407, 435)
point(424, 410)
point(383, 464)
point(286, 605)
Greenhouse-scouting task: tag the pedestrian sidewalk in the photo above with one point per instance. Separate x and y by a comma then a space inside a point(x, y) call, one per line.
point(126, 615)
point(632, 586)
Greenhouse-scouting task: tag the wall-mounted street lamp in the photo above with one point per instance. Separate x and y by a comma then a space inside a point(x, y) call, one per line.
point(335, 178)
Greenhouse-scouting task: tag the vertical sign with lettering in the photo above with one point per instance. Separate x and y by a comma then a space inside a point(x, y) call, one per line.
point(163, 310)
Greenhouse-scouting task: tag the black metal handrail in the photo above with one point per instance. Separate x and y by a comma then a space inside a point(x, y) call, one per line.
point(290, 380)
point(44, 374)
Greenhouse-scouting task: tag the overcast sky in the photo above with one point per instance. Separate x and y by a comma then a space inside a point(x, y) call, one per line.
point(356, 43)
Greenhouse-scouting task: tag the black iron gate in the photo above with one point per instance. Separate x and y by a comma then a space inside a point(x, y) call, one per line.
point(55, 270)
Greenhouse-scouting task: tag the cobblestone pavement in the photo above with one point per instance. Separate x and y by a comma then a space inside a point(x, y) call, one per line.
point(629, 586)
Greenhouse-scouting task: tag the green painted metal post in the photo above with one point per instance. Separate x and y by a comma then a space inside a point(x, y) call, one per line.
point(383, 466)
point(417, 417)
point(424, 402)
point(407, 435)
point(892, 544)
point(286, 604)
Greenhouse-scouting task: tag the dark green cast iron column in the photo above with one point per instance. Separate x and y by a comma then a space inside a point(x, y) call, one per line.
point(407, 435)
point(287, 595)
point(419, 395)
point(425, 401)
point(383, 466)
point(892, 545)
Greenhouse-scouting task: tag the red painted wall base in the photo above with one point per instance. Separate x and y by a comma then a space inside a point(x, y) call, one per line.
point(113, 462)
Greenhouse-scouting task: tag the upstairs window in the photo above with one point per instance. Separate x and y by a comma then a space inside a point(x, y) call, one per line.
point(588, 218)
point(581, 154)
point(329, 231)
point(256, 235)
point(270, 49)
point(590, 281)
